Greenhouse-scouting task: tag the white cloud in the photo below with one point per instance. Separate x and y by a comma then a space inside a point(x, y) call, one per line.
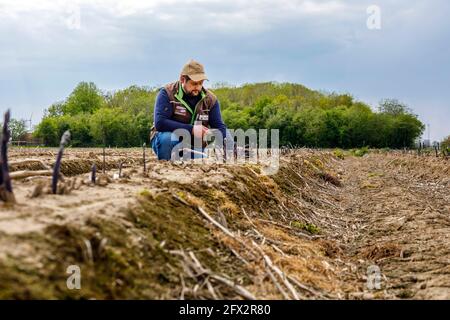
point(322, 43)
point(229, 16)
point(328, 7)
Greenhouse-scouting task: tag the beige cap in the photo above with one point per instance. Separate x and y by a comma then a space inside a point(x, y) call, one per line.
point(194, 70)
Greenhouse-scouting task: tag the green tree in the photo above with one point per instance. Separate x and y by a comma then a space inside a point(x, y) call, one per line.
point(48, 131)
point(445, 144)
point(55, 110)
point(393, 107)
point(79, 126)
point(303, 116)
point(111, 127)
point(86, 97)
point(18, 128)
point(133, 100)
point(404, 131)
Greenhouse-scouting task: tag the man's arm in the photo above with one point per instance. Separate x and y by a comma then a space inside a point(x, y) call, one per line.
point(215, 119)
point(163, 112)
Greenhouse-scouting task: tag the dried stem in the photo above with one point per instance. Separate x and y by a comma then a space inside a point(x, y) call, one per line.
point(64, 140)
point(6, 193)
point(143, 155)
point(93, 173)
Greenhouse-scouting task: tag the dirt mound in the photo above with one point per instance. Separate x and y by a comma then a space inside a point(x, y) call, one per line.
point(28, 164)
point(168, 242)
point(192, 230)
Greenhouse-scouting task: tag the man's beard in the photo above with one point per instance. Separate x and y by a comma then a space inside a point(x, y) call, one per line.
point(193, 93)
point(190, 93)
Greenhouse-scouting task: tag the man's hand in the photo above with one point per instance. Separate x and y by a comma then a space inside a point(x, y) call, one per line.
point(199, 131)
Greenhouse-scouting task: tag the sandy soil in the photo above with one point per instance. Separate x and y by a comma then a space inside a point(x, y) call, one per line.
point(400, 207)
point(324, 221)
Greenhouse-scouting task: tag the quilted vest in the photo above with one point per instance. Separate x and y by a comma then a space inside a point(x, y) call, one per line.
point(182, 112)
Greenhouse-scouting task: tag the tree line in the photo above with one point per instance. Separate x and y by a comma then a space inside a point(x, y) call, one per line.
point(304, 117)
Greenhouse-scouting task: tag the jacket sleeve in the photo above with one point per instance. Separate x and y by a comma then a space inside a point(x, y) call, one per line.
point(215, 119)
point(163, 113)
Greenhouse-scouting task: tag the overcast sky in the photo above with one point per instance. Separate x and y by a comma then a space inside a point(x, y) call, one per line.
point(48, 46)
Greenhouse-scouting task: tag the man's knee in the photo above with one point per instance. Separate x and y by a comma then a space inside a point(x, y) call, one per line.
point(165, 138)
point(163, 145)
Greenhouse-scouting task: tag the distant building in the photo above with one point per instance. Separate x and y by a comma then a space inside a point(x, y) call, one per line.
point(27, 139)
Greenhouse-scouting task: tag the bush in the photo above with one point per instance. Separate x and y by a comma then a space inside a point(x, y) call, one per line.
point(360, 152)
point(445, 144)
point(339, 153)
point(311, 228)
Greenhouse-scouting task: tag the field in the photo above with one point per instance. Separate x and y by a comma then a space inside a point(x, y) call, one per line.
point(323, 227)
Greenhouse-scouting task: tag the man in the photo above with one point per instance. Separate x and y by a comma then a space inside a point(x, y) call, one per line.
point(184, 104)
